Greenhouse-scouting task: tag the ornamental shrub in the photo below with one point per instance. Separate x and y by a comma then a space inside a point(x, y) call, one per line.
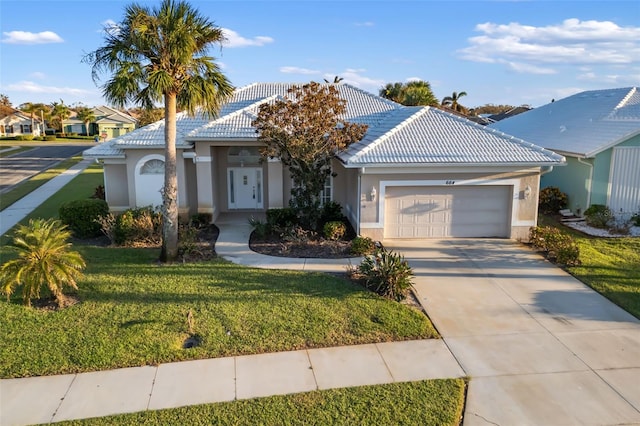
point(282, 218)
point(83, 216)
point(334, 231)
point(141, 226)
point(598, 216)
point(50, 138)
point(361, 246)
point(557, 245)
point(552, 200)
point(386, 273)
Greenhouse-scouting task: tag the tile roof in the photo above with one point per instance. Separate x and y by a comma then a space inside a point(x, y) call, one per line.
point(584, 124)
point(396, 134)
point(425, 135)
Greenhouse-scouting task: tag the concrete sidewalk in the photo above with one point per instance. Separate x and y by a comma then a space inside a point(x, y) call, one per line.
point(13, 214)
point(76, 396)
point(541, 347)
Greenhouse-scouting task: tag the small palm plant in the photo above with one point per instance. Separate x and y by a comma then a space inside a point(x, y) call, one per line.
point(44, 257)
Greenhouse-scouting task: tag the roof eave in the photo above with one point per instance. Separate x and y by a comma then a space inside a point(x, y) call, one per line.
point(413, 165)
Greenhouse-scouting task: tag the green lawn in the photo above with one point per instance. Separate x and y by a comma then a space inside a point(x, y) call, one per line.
point(133, 312)
point(611, 266)
point(432, 402)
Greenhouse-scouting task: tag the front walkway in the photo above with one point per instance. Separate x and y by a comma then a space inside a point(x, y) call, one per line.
point(541, 347)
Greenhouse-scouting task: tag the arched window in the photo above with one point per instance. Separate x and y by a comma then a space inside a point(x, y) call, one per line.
point(152, 167)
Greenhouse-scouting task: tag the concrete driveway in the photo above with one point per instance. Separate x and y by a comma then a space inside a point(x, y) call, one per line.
point(541, 348)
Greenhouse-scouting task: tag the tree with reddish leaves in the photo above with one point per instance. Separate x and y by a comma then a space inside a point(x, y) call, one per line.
point(305, 131)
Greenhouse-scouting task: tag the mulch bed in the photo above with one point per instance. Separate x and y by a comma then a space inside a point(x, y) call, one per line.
point(315, 248)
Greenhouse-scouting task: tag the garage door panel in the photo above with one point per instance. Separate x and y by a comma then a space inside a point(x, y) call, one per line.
point(440, 212)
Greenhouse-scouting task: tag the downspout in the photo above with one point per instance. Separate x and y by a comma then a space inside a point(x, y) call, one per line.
point(359, 201)
point(581, 161)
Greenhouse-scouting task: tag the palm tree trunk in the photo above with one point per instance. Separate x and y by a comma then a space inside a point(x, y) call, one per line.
point(170, 194)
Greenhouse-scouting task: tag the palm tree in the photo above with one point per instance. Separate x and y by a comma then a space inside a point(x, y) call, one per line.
point(419, 93)
point(158, 55)
point(59, 113)
point(411, 94)
point(43, 258)
point(452, 101)
point(336, 80)
point(87, 116)
point(393, 91)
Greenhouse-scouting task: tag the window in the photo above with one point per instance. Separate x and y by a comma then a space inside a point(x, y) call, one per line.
point(327, 193)
point(25, 128)
point(153, 167)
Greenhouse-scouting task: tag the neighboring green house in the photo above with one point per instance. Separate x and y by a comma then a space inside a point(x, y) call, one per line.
point(598, 132)
point(109, 123)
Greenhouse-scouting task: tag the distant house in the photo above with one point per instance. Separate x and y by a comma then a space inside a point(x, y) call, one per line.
point(19, 123)
point(598, 131)
point(419, 172)
point(109, 123)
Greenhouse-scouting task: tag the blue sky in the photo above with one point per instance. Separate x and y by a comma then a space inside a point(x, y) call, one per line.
point(499, 52)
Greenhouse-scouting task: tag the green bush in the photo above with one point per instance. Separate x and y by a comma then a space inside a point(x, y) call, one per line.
point(552, 200)
point(635, 219)
point(262, 229)
point(598, 216)
point(331, 212)
point(200, 220)
point(557, 245)
point(386, 273)
point(361, 246)
point(282, 218)
point(334, 231)
point(83, 216)
point(24, 137)
point(50, 138)
point(134, 227)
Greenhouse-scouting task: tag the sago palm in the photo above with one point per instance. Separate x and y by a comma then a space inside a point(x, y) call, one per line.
point(157, 55)
point(44, 258)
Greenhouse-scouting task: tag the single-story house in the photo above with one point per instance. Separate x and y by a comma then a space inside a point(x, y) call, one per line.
point(598, 131)
point(19, 123)
point(109, 123)
point(419, 172)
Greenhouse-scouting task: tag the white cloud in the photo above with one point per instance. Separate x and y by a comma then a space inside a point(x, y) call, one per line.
point(354, 77)
point(26, 37)
point(298, 70)
point(572, 42)
point(108, 26)
point(525, 68)
point(236, 40)
point(31, 87)
point(39, 75)
point(364, 24)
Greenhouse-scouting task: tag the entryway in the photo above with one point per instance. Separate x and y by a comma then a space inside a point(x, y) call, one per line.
point(244, 186)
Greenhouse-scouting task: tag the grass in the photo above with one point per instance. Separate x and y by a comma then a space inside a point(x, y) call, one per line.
point(133, 312)
point(13, 142)
point(432, 402)
point(35, 182)
point(611, 266)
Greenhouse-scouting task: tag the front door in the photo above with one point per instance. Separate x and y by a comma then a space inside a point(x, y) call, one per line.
point(245, 187)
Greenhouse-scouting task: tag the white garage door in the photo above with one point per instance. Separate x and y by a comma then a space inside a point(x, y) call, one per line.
point(440, 212)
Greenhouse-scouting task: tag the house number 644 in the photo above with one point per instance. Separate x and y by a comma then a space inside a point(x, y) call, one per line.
point(450, 182)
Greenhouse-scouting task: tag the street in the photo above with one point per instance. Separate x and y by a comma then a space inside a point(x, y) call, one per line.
point(23, 165)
